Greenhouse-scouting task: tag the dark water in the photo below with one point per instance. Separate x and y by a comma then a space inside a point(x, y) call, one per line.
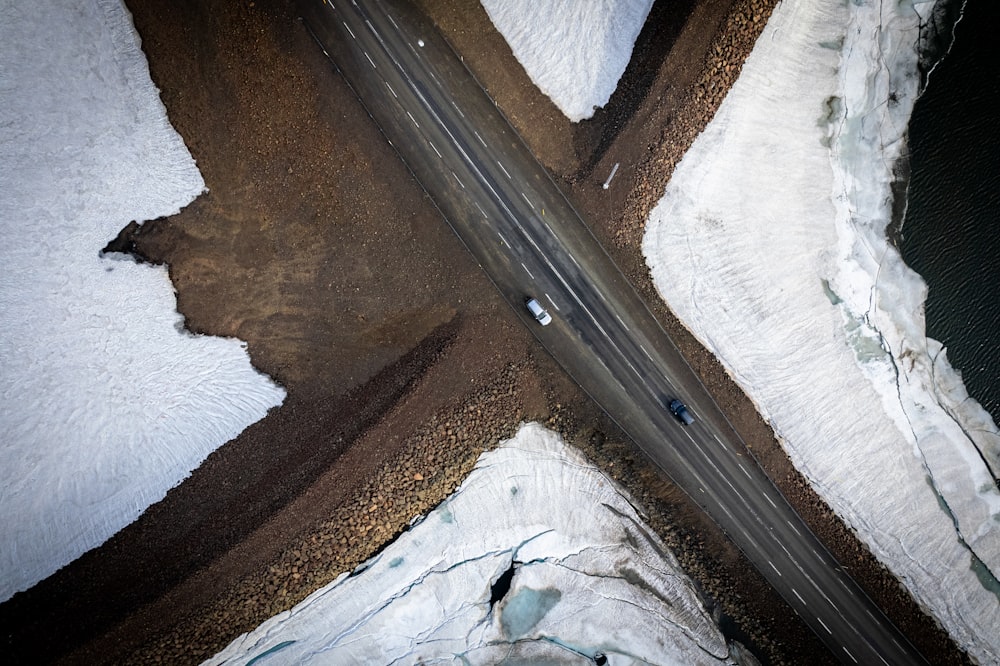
point(951, 233)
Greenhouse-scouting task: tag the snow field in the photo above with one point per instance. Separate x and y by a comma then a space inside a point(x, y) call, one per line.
point(107, 402)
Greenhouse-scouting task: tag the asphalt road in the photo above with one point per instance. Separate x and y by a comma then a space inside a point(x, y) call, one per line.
point(530, 241)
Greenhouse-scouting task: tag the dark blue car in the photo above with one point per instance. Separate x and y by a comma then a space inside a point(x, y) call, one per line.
point(678, 409)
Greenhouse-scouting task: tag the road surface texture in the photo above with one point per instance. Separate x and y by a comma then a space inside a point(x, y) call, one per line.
point(531, 242)
point(401, 360)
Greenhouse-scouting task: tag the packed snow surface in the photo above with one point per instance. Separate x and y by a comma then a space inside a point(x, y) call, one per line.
point(575, 52)
point(770, 244)
point(107, 402)
point(588, 577)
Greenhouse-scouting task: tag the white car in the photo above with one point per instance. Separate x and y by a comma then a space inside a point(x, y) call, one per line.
point(538, 312)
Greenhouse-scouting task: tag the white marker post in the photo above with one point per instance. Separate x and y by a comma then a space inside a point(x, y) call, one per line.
point(614, 170)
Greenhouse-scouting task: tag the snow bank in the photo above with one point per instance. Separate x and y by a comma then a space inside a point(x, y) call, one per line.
point(770, 245)
point(588, 577)
point(575, 52)
point(107, 403)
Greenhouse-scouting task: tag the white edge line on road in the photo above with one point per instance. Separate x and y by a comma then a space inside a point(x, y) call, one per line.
point(527, 271)
point(349, 30)
point(504, 170)
point(503, 239)
point(370, 60)
point(552, 302)
point(823, 594)
point(374, 31)
point(391, 90)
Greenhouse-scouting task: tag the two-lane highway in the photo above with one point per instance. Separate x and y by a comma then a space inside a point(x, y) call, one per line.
point(531, 242)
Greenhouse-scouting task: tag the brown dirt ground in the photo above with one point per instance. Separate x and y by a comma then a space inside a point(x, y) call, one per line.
point(402, 363)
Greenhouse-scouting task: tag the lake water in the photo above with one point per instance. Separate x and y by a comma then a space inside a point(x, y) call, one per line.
point(951, 232)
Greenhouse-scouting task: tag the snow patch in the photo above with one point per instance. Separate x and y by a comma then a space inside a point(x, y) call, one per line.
point(107, 403)
point(575, 52)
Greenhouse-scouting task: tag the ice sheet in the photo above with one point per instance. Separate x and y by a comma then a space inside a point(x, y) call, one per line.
point(770, 245)
point(589, 577)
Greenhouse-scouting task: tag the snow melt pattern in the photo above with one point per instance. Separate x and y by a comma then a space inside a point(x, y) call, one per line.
point(536, 558)
point(107, 402)
point(770, 245)
point(575, 52)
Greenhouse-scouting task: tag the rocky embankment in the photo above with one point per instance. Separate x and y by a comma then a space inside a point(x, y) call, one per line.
point(733, 42)
point(432, 463)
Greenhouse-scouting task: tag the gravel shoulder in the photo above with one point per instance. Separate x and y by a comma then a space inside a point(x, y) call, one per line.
point(316, 247)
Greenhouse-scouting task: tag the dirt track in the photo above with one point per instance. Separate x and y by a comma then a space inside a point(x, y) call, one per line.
point(401, 361)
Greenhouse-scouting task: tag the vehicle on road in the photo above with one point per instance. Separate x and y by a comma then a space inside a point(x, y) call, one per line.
point(537, 311)
point(680, 410)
